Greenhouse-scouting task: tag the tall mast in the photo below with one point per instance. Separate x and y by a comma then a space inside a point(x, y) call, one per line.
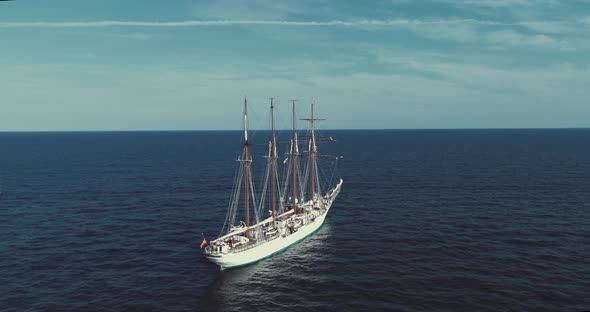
point(246, 168)
point(312, 152)
point(273, 158)
point(294, 152)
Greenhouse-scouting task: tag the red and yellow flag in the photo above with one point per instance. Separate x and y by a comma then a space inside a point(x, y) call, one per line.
point(203, 243)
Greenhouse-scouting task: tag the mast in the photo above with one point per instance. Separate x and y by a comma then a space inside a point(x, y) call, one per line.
point(294, 152)
point(273, 158)
point(312, 152)
point(246, 168)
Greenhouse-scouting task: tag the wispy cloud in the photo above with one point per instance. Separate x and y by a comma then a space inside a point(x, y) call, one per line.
point(351, 23)
point(546, 34)
point(503, 3)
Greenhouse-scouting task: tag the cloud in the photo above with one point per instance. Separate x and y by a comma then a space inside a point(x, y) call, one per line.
point(508, 37)
point(332, 23)
point(503, 3)
point(490, 37)
point(433, 91)
point(489, 32)
point(535, 15)
point(550, 82)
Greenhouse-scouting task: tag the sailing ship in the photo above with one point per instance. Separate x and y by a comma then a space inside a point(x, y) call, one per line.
point(297, 210)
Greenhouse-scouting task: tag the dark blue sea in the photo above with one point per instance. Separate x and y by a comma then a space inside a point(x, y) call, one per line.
point(427, 220)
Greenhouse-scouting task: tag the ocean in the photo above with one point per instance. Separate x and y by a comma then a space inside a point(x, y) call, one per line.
point(427, 220)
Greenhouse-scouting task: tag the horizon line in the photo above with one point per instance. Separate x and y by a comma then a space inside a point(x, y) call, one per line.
point(302, 129)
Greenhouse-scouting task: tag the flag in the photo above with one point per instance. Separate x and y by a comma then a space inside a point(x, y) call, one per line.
point(285, 161)
point(203, 243)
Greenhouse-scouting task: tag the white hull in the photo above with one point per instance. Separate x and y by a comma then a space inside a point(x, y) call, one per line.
point(269, 248)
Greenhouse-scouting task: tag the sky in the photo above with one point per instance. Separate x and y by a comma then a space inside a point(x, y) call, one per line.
point(69, 65)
